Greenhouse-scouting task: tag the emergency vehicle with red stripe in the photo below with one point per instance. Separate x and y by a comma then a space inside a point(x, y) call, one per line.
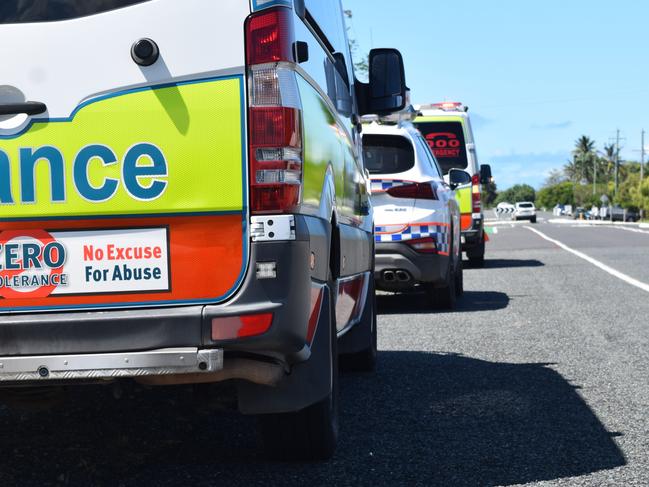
point(183, 201)
point(417, 218)
point(447, 129)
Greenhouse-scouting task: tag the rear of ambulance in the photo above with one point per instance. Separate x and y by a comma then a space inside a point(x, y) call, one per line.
point(126, 248)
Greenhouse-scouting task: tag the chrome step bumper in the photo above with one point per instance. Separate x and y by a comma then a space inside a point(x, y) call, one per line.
point(110, 365)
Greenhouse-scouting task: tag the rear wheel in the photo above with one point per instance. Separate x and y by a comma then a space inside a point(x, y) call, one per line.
point(444, 297)
point(312, 433)
point(476, 255)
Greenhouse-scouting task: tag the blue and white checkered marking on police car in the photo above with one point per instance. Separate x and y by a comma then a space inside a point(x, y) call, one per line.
point(401, 233)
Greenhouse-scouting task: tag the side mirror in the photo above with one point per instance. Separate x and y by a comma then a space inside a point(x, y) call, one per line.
point(458, 177)
point(386, 91)
point(485, 174)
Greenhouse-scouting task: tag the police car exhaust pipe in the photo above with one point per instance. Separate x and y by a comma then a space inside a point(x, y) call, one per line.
point(257, 372)
point(402, 276)
point(389, 276)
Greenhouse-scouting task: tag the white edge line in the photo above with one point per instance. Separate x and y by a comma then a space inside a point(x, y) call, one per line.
point(596, 263)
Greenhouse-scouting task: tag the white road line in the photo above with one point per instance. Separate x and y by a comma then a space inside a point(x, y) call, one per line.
point(635, 230)
point(596, 263)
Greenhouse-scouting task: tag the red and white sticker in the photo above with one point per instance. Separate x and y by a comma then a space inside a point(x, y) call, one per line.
point(37, 263)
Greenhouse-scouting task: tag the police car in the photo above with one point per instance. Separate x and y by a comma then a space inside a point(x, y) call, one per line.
point(447, 129)
point(416, 215)
point(182, 201)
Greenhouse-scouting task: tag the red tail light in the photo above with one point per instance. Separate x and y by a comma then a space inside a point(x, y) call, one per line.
point(270, 37)
point(476, 206)
point(426, 245)
point(275, 117)
point(420, 191)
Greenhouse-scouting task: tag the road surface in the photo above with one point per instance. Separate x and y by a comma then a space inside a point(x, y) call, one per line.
point(541, 377)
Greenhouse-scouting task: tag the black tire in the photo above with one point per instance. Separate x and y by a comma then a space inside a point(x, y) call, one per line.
point(533, 219)
point(312, 433)
point(365, 360)
point(445, 297)
point(476, 255)
point(459, 278)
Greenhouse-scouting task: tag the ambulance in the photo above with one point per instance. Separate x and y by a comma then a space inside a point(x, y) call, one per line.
point(447, 129)
point(183, 201)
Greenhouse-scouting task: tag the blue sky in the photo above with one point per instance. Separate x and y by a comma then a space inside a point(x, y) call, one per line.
point(536, 75)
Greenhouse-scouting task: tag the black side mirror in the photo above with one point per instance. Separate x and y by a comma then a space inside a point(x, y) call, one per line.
point(485, 174)
point(386, 91)
point(458, 177)
point(300, 8)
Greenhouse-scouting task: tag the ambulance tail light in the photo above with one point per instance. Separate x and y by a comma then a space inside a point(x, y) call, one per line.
point(419, 191)
point(275, 113)
point(476, 202)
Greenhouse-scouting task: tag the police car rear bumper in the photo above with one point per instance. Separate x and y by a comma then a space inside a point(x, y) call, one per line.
point(398, 267)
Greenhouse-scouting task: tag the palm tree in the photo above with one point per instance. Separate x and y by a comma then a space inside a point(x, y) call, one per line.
point(584, 145)
point(583, 156)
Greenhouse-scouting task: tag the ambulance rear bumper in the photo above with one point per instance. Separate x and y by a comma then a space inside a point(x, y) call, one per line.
point(287, 297)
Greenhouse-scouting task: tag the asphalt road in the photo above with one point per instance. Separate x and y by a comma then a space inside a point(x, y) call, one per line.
point(541, 377)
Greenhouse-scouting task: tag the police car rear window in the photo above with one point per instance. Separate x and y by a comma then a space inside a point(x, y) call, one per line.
point(24, 11)
point(446, 140)
point(387, 154)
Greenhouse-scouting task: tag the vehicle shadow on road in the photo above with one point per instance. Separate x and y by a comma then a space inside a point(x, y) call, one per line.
point(417, 303)
point(422, 419)
point(510, 263)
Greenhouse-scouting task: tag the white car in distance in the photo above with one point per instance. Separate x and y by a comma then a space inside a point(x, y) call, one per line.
point(524, 210)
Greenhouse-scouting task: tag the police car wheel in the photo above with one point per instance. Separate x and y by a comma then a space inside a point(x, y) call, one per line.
point(445, 297)
point(310, 434)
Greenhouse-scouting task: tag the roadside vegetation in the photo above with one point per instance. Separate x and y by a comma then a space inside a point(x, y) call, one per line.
point(589, 179)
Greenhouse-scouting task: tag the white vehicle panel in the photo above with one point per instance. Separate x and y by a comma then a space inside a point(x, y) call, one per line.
point(402, 219)
point(69, 71)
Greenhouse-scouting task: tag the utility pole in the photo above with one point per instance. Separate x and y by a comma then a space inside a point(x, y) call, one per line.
point(642, 157)
point(617, 159)
point(641, 170)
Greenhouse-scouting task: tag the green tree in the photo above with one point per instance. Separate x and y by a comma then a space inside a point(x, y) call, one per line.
point(518, 192)
point(557, 194)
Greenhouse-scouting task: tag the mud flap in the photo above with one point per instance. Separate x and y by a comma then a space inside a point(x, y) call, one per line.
point(359, 336)
point(306, 384)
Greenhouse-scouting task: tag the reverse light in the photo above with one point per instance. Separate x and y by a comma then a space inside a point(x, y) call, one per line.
point(421, 191)
point(275, 114)
point(233, 327)
point(426, 245)
point(266, 270)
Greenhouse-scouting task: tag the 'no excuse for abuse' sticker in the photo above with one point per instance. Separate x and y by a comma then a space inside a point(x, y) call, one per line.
point(37, 263)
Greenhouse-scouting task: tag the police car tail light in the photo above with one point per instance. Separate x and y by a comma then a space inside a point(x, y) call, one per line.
point(475, 194)
point(420, 191)
point(426, 245)
point(275, 114)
